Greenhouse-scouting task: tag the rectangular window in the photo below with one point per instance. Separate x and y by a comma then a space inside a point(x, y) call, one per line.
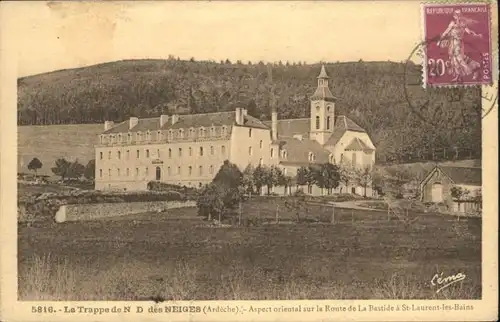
point(212, 150)
point(249, 150)
point(158, 153)
point(128, 154)
point(109, 172)
point(168, 171)
point(100, 173)
point(169, 153)
point(200, 170)
point(147, 153)
point(179, 170)
point(138, 154)
point(109, 154)
point(180, 152)
point(128, 172)
point(147, 171)
point(201, 151)
point(190, 152)
point(223, 150)
point(119, 155)
point(118, 172)
point(211, 169)
point(136, 172)
point(100, 153)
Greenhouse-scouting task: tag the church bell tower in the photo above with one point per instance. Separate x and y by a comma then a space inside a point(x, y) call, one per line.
point(322, 110)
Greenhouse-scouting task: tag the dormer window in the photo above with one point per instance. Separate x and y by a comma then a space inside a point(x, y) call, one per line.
point(212, 131)
point(202, 132)
point(181, 133)
point(283, 154)
point(101, 139)
point(170, 135)
point(224, 131)
point(148, 136)
point(120, 138)
point(191, 133)
point(158, 136)
point(129, 137)
point(312, 157)
point(138, 136)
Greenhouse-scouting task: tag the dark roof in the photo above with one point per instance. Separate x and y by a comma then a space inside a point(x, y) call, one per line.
point(302, 126)
point(357, 145)
point(291, 127)
point(323, 93)
point(187, 121)
point(342, 125)
point(322, 73)
point(463, 175)
point(298, 150)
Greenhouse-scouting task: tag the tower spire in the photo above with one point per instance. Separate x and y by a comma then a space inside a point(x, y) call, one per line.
point(323, 73)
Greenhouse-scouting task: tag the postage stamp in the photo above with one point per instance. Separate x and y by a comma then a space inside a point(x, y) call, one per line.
point(458, 44)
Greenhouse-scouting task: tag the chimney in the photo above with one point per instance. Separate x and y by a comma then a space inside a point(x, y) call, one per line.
point(163, 120)
point(133, 122)
point(175, 118)
point(274, 125)
point(108, 125)
point(239, 116)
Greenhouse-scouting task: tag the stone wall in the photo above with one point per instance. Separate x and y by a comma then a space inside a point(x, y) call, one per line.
point(76, 212)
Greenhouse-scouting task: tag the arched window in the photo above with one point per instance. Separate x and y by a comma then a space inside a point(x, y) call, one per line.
point(212, 131)
point(169, 153)
point(119, 155)
point(260, 144)
point(272, 153)
point(179, 170)
point(169, 171)
point(100, 153)
point(311, 157)
point(190, 151)
point(224, 131)
point(191, 132)
point(128, 172)
point(180, 152)
point(148, 135)
point(327, 122)
point(283, 154)
point(147, 153)
point(211, 169)
point(147, 171)
point(109, 172)
point(202, 132)
point(317, 122)
point(181, 133)
point(120, 137)
point(170, 134)
point(158, 173)
point(201, 151)
point(158, 136)
point(331, 158)
point(118, 172)
point(158, 153)
point(223, 150)
point(138, 154)
point(128, 154)
point(109, 154)
point(129, 137)
point(100, 173)
point(138, 136)
point(190, 170)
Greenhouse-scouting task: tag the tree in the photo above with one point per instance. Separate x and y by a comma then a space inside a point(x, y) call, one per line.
point(327, 176)
point(347, 173)
point(210, 201)
point(34, 165)
point(398, 177)
point(229, 175)
point(302, 175)
point(364, 178)
point(75, 170)
point(248, 179)
point(61, 168)
point(89, 172)
point(260, 176)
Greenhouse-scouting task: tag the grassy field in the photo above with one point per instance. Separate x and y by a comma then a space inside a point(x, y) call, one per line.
point(49, 143)
point(177, 256)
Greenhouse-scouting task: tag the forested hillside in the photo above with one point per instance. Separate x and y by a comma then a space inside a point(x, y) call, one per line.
point(371, 93)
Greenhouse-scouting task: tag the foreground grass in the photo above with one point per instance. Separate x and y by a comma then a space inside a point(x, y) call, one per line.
point(174, 259)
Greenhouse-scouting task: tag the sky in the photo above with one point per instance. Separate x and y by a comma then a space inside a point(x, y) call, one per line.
point(52, 36)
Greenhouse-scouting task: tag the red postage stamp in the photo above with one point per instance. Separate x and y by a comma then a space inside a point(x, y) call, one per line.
point(457, 44)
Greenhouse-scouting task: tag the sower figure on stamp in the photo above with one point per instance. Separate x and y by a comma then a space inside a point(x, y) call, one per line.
point(453, 38)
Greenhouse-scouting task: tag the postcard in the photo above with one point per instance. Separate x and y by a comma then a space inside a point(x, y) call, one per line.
point(249, 160)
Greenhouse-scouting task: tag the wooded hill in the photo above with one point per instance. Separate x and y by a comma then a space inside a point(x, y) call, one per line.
point(371, 93)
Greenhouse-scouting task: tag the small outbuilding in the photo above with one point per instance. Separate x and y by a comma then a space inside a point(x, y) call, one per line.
point(457, 187)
